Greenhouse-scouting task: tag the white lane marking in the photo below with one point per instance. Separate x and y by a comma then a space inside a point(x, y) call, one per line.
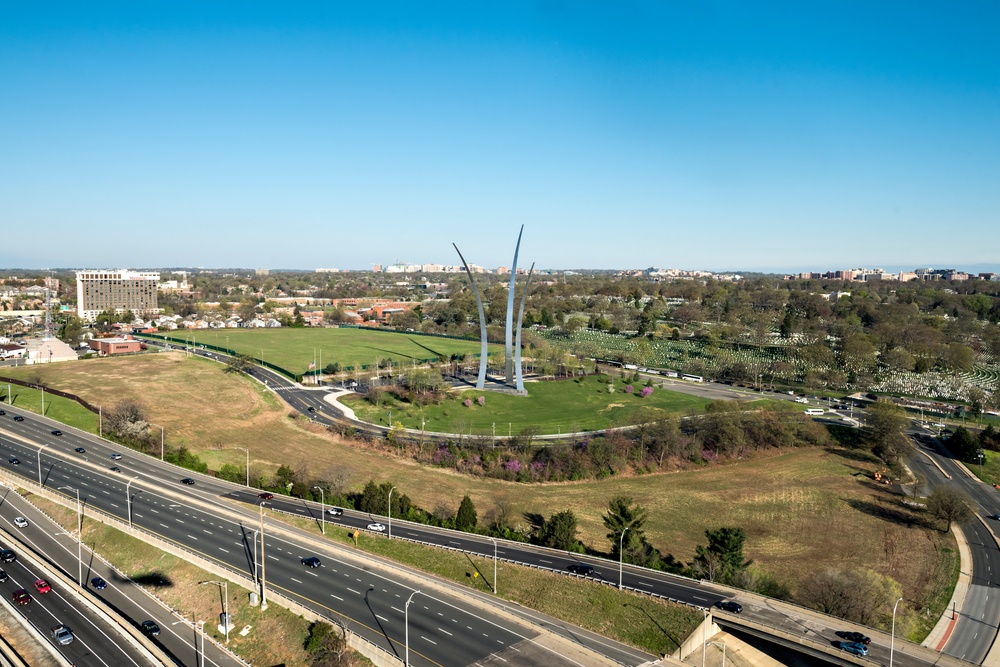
point(428, 640)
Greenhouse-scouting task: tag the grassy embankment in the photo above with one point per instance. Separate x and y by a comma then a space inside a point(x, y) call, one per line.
point(802, 509)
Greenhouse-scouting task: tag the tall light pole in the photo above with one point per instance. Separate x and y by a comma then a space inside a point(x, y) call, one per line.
point(248, 463)
point(390, 511)
point(263, 563)
point(79, 535)
point(322, 509)
point(493, 540)
point(128, 501)
point(621, 550)
point(892, 634)
point(225, 601)
point(406, 628)
point(39, 465)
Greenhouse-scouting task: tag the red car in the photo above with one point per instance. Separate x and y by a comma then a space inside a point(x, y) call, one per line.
point(42, 586)
point(21, 597)
point(266, 496)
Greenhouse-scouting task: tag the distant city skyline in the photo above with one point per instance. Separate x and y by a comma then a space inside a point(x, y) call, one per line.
point(761, 137)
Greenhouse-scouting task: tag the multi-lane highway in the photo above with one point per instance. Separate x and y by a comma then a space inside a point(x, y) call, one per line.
point(443, 630)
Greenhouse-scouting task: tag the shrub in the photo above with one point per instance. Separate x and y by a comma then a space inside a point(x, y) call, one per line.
point(646, 391)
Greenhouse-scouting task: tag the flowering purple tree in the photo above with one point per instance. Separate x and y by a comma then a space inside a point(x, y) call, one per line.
point(646, 391)
point(467, 402)
point(481, 400)
point(629, 389)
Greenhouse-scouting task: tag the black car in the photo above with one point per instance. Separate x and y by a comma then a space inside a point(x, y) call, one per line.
point(13, 461)
point(730, 606)
point(80, 450)
point(150, 628)
point(311, 561)
point(857, 637)
point(7, 556)
point(115, 469)
point(57, 432)
point(18, 418)
point(583, 570)
point(187, 480)
point(312, 409)
point(3, 576)
point(2, 413)
point(98, 583)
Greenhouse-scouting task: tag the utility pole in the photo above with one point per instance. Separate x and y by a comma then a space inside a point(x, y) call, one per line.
point(263, 573)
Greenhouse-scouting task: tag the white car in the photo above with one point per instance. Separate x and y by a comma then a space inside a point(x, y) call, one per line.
point(335, 511)
point(377, 527)
point(20, 522)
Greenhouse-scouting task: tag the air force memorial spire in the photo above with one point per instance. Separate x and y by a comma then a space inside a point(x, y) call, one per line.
point(513, 377)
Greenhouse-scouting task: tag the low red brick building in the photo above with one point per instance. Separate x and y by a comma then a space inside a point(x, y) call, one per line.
point(109, 346)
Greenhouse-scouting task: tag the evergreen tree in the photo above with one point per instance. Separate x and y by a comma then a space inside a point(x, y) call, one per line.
point(466, 518)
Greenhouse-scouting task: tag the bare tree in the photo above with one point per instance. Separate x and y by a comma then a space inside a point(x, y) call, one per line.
point(949, 504)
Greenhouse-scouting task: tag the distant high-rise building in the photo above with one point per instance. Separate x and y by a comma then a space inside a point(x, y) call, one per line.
point(118, 291)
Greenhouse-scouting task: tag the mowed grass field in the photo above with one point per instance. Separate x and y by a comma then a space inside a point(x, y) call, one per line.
point(559, 406)
point(295, 349)
point(802, 509)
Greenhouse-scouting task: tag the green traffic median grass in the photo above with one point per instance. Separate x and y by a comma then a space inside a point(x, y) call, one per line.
point(61, 409)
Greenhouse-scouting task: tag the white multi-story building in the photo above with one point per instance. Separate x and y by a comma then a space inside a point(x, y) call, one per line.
point(115, 290)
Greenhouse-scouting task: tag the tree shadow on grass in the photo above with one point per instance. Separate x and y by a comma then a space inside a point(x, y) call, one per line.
point(887, 512)
point(859, 455)
point(154, 579)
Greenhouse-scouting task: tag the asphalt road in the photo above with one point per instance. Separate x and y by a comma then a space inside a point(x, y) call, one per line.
point(95, 641)
point(442, 630)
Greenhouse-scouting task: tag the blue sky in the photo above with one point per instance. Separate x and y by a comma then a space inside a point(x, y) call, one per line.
point(750, 136)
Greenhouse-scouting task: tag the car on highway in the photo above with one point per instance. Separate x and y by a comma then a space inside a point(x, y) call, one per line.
point(2, 413)
point(312, 409)
point(856, 637)
point(581, 569)
point(3, 576)
point(730, 606)
point(80, 450)
point(57, 432)
point(98, 583)
point(188, 481)
point(335, 511)
point(62, 635)
point(116, 456)
point(377, 527)
point(20, 522)
point(18, 418)
point(21, 596)
point(14, 461)
point(7, 556)
point(115, 469)
point(855, 648)
point(265, 496)
point(42, 586)
point(311, 561)
point(150, 628)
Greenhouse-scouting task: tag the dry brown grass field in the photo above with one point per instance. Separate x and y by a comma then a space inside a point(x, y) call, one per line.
point(802, 509)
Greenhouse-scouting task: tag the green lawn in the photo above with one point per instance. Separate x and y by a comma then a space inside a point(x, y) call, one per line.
point(561, 406)
point(58, 408)
point(295, 349)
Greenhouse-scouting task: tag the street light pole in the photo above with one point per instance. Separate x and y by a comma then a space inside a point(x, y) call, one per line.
point(128, 501)
point(406, 628)
point(390, 511)
point(322, 509)
point(225, 601)
point(492, 539)
point(621, 549)
point(892, 634)
point(263, 563)
point(79, 535)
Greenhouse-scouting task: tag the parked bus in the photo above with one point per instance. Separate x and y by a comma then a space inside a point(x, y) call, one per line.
point(815, 412)
point(693, 378)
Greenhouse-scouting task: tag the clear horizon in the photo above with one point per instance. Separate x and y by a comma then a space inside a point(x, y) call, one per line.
point(728, 137)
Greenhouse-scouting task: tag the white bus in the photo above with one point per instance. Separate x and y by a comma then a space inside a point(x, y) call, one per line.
point(693, 378)
point(815, 412)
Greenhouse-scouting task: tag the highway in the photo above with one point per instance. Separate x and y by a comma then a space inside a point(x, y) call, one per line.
point(443, 630)
point(95, 641)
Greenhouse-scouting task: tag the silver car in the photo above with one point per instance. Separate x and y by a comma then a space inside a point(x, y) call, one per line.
point(62, 635)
